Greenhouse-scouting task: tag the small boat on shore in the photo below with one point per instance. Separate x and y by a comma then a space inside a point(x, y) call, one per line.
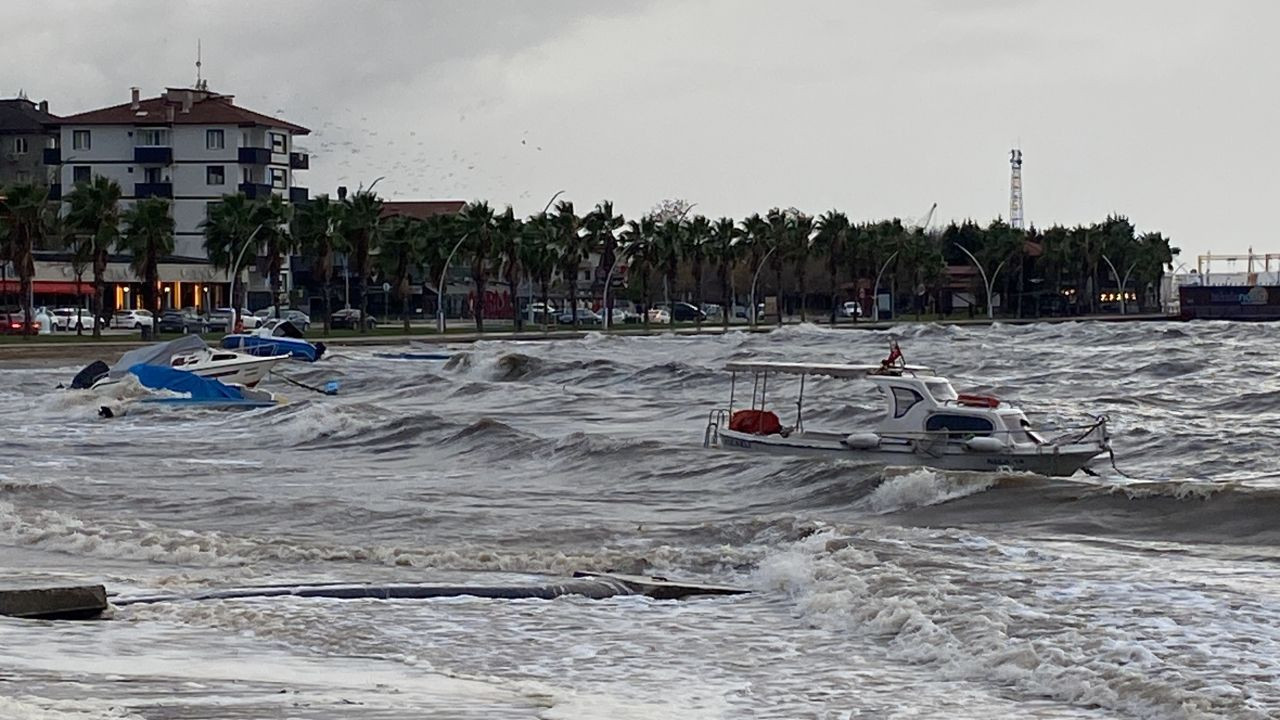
point(180, 388)
point(926, 423)
point(275, 337)
point(188, 353)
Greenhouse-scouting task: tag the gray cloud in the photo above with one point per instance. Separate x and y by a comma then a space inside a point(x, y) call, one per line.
point(1161, 110)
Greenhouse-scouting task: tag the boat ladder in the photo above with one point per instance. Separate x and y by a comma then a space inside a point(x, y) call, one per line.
point(715, 419)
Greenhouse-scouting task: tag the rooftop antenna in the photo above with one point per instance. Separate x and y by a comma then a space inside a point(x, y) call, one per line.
point(199, 80)
point(1015, 188)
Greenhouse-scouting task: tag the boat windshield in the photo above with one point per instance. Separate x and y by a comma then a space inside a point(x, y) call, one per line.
point(941, 390)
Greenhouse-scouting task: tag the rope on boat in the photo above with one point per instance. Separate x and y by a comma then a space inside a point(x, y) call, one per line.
point(330, 388)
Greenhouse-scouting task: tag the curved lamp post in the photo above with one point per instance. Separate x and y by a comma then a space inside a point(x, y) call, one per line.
point(440, 287)
point(1123, 282)
point(235, 272)
point(553, 199)
point(754, 278)
point(875, 290)
point(989, 283)
point(608, 278)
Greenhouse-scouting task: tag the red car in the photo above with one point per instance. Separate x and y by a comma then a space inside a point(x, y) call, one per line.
point(12, 324)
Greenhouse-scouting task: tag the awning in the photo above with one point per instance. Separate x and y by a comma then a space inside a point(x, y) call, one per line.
point(48, 286)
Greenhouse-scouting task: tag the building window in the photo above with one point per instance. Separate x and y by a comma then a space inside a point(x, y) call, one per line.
point(24, 177)
point(79, 139)
point(279, 143)
point(20, 145)
point(214, 140)
point(81, 174)
point(246, 175)
point(152, 175)
point(278, 178)
point(208, 208)
point(215, 175)
point(152, 137)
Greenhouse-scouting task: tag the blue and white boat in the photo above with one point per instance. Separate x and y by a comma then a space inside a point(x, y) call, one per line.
point(275, 337)
point(187, 389)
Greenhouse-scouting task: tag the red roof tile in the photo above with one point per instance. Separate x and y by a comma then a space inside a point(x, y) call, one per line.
point(421, 209)
point(206, 109)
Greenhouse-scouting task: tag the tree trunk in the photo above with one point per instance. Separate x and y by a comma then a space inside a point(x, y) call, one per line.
point(647, 294)
point(24, 287)
point(480, 282)
point(572, 279)
point(672, 274)
point(80, 301)
point(802, 276)
point(697, 292)
point(517, 318)
point(726, 297)
point(404, 303)
point(97, 301)
point(545, 282)
point(833, 270)
point(778, 276)
point(328, 292)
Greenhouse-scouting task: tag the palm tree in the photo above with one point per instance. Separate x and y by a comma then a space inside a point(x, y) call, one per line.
point(94, 212)
point(778, 234)
point(315, 228)
point(641, 248)
point(668, 247)
point(60, 235)
point(723, 249)
point(831, 239)
point(230, 232)
point(601, 226)
point(400, 253)
point(694, 249)
point(22, 218)
point(276, 241)
point(507, 233)
point(574, 246)
point(476, 220)
point(361, 221)
point(800, 228)
point(540, 256)
point(148, 237)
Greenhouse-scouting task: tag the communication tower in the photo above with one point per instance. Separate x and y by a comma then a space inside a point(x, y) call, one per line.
point(1015, 188)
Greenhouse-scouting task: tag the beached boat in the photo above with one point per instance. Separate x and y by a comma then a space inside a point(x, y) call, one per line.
point(181, 388)
point(926, 423)
point(188, 353)
point(275, 337)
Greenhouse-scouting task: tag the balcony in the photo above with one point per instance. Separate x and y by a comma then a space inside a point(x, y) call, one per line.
point(153, 155)
point(298, 195)
point(150, 190)
point(255, 191)
point(299, 161)
point(254, 156)
point(55, 190)
point(53, 156)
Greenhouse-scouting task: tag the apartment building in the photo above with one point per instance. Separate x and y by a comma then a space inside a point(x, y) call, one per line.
point(190, 145)
point(26, 131)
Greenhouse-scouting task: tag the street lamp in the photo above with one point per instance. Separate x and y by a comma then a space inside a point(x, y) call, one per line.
point(989, 283)
point(235, 270)
point(1123, 282)
point(875, 290)
point(553, 199)
point(754, 278)
point(440, 287)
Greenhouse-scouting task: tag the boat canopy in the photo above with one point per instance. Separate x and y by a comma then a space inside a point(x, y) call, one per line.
point(161, 377)
point(159, 354)
point(826, 369)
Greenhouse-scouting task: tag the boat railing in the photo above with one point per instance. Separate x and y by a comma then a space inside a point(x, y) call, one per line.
point(715, 419)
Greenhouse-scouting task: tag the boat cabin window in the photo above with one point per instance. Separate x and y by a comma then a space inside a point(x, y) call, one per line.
point(959, 426)
point(941, 390)
point(903, 400)
point(223, 356)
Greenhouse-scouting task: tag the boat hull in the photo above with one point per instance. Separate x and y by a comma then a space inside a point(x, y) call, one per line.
point(271, 346)
point(247, 372)
point(1056, 461)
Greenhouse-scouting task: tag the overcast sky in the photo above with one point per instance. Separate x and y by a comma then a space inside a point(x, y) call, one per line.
point(1168, 112)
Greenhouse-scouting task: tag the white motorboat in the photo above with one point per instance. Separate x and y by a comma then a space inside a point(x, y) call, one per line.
point(188, 353)
point(927, 423)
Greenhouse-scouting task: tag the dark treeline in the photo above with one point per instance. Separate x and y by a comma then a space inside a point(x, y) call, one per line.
point(808, 262)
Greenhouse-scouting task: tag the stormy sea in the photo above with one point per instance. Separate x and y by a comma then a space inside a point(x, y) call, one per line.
point(1150, 589)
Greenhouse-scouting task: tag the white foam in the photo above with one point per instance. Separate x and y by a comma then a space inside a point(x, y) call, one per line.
point(923, 487)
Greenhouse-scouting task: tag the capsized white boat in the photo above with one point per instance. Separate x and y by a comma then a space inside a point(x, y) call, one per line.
point(926, 423)
point(188, 353)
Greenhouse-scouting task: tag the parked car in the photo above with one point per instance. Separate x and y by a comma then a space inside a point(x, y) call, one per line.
point(684, 312)
point(131, 319)
point(12, 323)
point(296, 317)
point(659, 315)
point(740, 311)
point(350, 319)
point(221, 318)
point(539, 313)
point(712, 311)
point(586, 316)
point(621, 316)
point(851, 309)
point(181, 321)
point(65, 318)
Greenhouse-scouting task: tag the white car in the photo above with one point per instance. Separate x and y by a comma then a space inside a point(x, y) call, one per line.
point(131, 319)
point(65, 318)
point(659, 316)
point(851, 309)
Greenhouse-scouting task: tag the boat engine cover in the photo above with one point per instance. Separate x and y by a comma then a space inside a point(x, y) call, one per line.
point(92, 373)
point(863, 441)
point(984, 445)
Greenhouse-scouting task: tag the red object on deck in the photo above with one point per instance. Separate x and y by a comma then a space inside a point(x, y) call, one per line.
point(756, 422)
point(978, 401)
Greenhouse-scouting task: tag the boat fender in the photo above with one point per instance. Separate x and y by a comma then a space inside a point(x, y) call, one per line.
point(984, 445)
point(863, 441)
